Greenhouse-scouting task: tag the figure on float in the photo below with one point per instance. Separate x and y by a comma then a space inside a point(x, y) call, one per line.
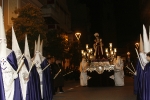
point(98, 47)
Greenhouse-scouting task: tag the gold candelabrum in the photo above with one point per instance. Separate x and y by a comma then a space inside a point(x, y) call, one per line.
point(111, 52)
point(88, 53)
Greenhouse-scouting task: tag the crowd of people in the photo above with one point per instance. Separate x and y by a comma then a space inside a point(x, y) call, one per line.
point(60, 74)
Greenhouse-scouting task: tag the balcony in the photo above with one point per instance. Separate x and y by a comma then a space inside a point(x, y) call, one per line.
point(50, 12)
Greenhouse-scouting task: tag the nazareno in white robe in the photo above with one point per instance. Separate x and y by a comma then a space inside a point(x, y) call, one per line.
point(9, 74)
point(23, 76)
point(83, 74)
point(119, 73)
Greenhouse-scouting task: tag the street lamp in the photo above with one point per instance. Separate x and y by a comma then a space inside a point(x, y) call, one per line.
point(78, 35)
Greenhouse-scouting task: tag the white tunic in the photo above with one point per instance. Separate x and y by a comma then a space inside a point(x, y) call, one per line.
point(23, 76)
point(83, 74)
point(119, 73)
point(9, 74)
point(38, 61)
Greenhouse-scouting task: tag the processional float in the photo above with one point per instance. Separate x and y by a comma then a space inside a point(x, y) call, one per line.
point(99, 60)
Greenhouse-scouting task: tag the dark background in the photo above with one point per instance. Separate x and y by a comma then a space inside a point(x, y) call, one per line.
point(117, 21)
point(126, 19)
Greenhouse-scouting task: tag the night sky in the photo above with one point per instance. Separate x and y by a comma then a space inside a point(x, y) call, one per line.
point(126, 17)
point(121, 26)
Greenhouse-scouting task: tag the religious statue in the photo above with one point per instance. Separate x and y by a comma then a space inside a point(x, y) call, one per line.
point(98, 47)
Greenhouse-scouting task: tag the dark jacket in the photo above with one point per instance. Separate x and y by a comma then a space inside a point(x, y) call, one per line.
point(59, 80)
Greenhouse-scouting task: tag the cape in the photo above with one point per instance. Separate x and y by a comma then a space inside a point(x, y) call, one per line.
point(146, 83)
point(33, 86)
point(11, 58)
point(2, 91)
point(47, 85)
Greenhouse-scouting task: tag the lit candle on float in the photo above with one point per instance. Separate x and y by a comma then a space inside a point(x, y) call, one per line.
point(106, 49)
point(110, 44)
point(82, 51)
point(107, 54)
point(112, 52)
point(87, 46)
point(115, 50)
point(87, 54)
point(91, 49)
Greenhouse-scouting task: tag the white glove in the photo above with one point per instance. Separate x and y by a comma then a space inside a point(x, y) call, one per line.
point(15, 75)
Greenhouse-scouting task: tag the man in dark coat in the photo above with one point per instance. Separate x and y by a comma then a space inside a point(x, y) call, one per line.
point(52, 71)
point(58, 75)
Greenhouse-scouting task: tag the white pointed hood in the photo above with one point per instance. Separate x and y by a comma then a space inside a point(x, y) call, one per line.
point(146, 41)
point(35, 47)
point(41, 48)
point(15, 45)
point(37, 58)
point(26, 51)
point(41, 51)
point(2, 29)
point(3, 41)
point(141, 47)
point(38, 44)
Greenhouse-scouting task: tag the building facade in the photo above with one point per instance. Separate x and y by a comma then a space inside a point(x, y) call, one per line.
point(55, 12)
point(56, 15)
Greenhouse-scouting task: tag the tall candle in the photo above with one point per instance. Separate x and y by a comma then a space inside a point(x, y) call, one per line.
point(107, 54)
point(115, 50)
point(87, 46)
point(106, 49)
point(91, 49)
point(110, 44)
point(82, 51)
point(111, 52)
point(87, 54)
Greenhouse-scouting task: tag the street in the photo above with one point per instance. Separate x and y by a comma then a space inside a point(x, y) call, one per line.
point(73, 91)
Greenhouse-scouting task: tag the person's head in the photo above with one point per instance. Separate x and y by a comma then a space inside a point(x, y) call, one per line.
point(58, 61)
point(96, 34)
point(148, 56)
point(53, 59)
point(50, 59)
